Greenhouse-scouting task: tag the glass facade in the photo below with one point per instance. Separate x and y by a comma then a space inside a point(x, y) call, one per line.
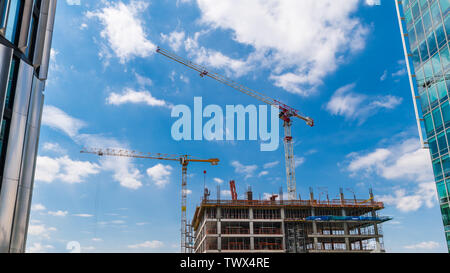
point(426, 27)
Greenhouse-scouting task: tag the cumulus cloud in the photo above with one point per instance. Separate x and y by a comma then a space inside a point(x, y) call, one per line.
point(41, 231)
point(38, 248)
point(137, 97)
point(160, 174)
point(64, 169)
point(246, 170)
point(428, 245)
point(401, 161)
point(123, 29)
point(175, 39)
point(301, 47)
point(58, 119)
point(48, 169)
point(424, 195)
point(354, 106)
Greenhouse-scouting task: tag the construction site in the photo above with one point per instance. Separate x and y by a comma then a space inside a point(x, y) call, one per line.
point(274, 225)
point(287, 226)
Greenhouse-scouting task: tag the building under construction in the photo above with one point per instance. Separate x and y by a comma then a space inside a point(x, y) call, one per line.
point(292, 226)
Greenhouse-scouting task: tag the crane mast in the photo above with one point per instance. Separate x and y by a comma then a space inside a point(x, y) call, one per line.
point(286, 113)
point(186, 240)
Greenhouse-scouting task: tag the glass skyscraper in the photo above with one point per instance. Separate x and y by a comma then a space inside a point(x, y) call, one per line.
point(26, 29)
point(425, 27)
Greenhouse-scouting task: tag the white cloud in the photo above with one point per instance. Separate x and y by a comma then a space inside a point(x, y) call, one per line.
point(247, 170)
point(38, 248)
point(73, 2)
point(373, 2)
point(58, 213)
point(424, 195)
point(299, 161)
point(424, 245)
point(124, 29)
point(352, 105)
point(160, 174)
point(41, 231)
point(301, 47)
point(38, 207)
point(124, 171)
point(225, 193)
point(143, 81)
point(404, 161)
point(58, 119)
point(271, 164)
point(175, 39)
point(218, 180)
point(384, 76)
point(263, 173)
point(64, 169)
point(53, 147)
point(83, 215)
point(148, 244)
point(131, 96)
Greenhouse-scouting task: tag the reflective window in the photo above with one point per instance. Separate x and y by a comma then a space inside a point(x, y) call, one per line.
point(437, 120)
point(442, 191)
point(427, 22)
point(445, 214)
point(11, 83)
point(408, 19)
point(427, 68)
point(433, 147)
point(447, 27)
point(445, 5)
point(13, 20)
point(440, 35)
point(437, 169)
point(429, 125)
point(442, 143)
point(419, 31)
point(432, 43)
point(445, 58)
point(412, 37)
point(436, 13)
point(423, 4)
point(446, 113)
point(442, 90)
point(424, 102)
point(415, 11)
point(432, 93)
point(446, 165)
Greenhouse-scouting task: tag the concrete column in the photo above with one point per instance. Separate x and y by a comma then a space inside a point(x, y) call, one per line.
point(347, 241)
point(219, 230)
point(314, 224)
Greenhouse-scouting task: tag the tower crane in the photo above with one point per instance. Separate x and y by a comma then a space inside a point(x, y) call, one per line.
point(184, 161)
point(286, 113)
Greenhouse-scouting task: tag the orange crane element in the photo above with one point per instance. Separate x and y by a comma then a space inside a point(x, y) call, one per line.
point(233, 190)
point(286, 113)
point(184, 161)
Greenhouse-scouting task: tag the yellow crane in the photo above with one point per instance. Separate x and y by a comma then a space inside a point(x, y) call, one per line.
point(184, 161)
point(286, 113)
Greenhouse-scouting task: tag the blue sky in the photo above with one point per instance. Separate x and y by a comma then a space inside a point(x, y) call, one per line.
point(340, 62)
